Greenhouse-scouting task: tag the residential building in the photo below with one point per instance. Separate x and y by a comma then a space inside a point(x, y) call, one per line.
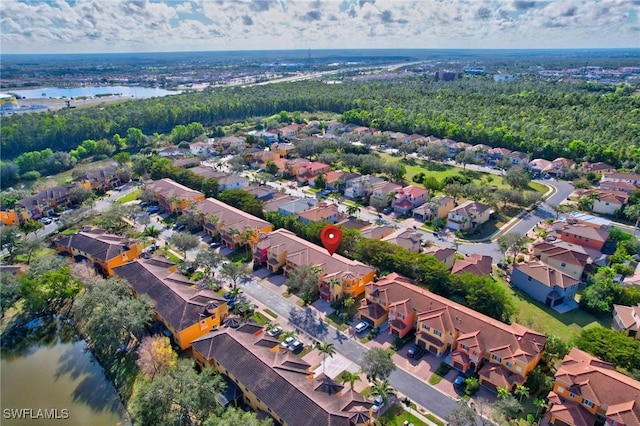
point(588, 220)
point(437, 207)
point(627, 320)
point(377, 232)
point(539, 167)
point(172, 196)
point(284, 149)
point(186, 311)
point(276, 382)
point(599, 167)
point(619, 186)
point(103, 179)
point(606, 201)
point(445, 255)
point(322, 212)
point(173, 151)
point(468, 216)
point(208, 172)
point(589, 392)
point(236, 227)
point(232, 182)
point(104, 251)
point(13, 217)
point(231, 142)
point(518, 158)
point(331, 179)
point(341, 277)
point(278, 199)
point(481, 151)
point(41, 204)
point(571, 260)
point(199, 148)
point(495, 155)
point(632, 178)
point(186, 163)
point(261, 158)
point(544, 283)
point(290, 131)
point(476, 264)
point(383, 193)
point(310, 170)
point(357, 186)
point(501, 354)
point(408, 198)
point(296, 206)
point(581, 234)
point(408, 239)
point(261, 192)
point(559, 166)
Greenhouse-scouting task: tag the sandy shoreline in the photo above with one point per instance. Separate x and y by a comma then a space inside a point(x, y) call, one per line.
point(53, 104)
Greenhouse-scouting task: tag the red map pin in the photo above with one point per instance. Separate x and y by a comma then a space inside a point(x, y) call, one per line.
point(331, 236)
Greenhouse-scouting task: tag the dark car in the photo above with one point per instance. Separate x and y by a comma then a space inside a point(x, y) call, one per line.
point(415, 351)
point(387, 210)
point(214, 245)
point(296, 346)
point(458, 382)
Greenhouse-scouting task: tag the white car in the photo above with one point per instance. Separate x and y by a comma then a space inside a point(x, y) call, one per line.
point(287, 342)
point(378, 403)
point(362, 326)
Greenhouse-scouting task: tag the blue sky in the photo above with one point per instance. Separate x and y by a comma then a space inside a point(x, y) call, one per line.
point(84, 26)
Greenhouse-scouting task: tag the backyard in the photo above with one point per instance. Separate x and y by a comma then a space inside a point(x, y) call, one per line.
point(539, 317)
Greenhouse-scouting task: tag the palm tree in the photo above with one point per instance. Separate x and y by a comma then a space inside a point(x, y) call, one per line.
point(521, 391)
point(503, 393)
point(632, 212)
point(152, 231)
point(383, 389)
point(326, 349)
point(539, 403)
point(270, 326)
point(351, 377)
point(234, 292)
point(287, 334)
point(353, 209)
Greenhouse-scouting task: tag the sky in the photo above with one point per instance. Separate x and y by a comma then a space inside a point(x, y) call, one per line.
point(98, 26)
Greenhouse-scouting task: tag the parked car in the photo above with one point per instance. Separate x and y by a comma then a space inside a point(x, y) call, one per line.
point(152, 248)
point(46, 220)
point(275, 331)
point(179, 227)
point(296, 346)
point(362, 326)
point(415, 351)
point(287, 342)
point(153, 209)
point(387, 210)
point(214, 245)
point(378, 403)
point(458, 382)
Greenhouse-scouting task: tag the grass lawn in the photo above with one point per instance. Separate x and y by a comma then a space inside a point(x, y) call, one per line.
point(133, 195)
point(336, 321)
point(259, 318)
point(542, 318)
point(441, 171)
point(38, 254)
point(240, 256)
point(396, 416)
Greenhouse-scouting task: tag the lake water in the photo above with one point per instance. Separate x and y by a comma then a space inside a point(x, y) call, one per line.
point(74, 92)
point(50, 368)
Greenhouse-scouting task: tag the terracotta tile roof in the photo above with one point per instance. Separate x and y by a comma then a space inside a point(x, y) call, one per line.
point(174, 296)
point(228, 216)
point(596, 167)
point(470, 208)
point(570, 412)
point(630, 177)
point(581, 230)
point(499, 375)
point(301, 251)
point(629, 316)
point(546, 275)
point(475, 329)
point(316, 166)
point(377, 232)
point(279, 379)
point(598, 381)
point(476, 264)
point(168, 188)
point(407, 238)
point(386, 187)
point(207, 172)
point(57, 193)
point(503, 151)
point(540, 164)
point(411, 191)
point(441, 253)
point(320, 212)
point(277, 201)
point(97, 243)
point(562, 254)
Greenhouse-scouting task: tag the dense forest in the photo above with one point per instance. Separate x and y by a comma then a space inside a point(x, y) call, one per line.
point(549, 120)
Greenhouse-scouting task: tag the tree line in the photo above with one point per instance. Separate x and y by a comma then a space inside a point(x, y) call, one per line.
point(546, 120)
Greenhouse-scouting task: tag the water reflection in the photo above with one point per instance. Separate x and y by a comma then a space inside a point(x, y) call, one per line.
point(48, 366)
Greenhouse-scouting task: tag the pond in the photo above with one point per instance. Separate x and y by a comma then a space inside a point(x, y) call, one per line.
point(49, 377)
point(91, 91)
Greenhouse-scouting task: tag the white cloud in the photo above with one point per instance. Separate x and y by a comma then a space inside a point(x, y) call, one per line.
point(141, 25)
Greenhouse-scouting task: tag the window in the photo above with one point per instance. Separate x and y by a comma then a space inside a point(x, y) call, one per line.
point(509, 364)
point(401, 316)
point(586, 240)
point(497, 358)
point(437, 332)
point(529, 278)
point(563, 264)
point(465, 347)
point(572, 395)
point(587, 403)
point(382, 302)
point(560, 389)
point(426, 327)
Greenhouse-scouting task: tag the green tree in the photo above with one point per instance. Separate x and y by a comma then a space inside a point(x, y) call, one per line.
point(31, 225)
point(521, 391)
point(503, 393)
point(209, 260)
point(377, 364)
point(50, 291)
point(383, 389)
point(28, 247)
point(242, 200)
point(184, 242)
point(210, 187)
point(512, 242)
point(304, 279)
point(155, 355)
point(9, 238)
point(632, 212)
point(350, 377)
point(517, 178)
point(234, 416)
point(271, 168)
point(9, 291)
point(465, 157)
point(611, 346)
point(326, 349)
point(353, 209)
point(462, 415)
point(320, 181)
point(235, 272)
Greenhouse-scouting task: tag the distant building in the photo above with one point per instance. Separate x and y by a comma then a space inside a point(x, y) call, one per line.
point(447, 75)
point(503, 77)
